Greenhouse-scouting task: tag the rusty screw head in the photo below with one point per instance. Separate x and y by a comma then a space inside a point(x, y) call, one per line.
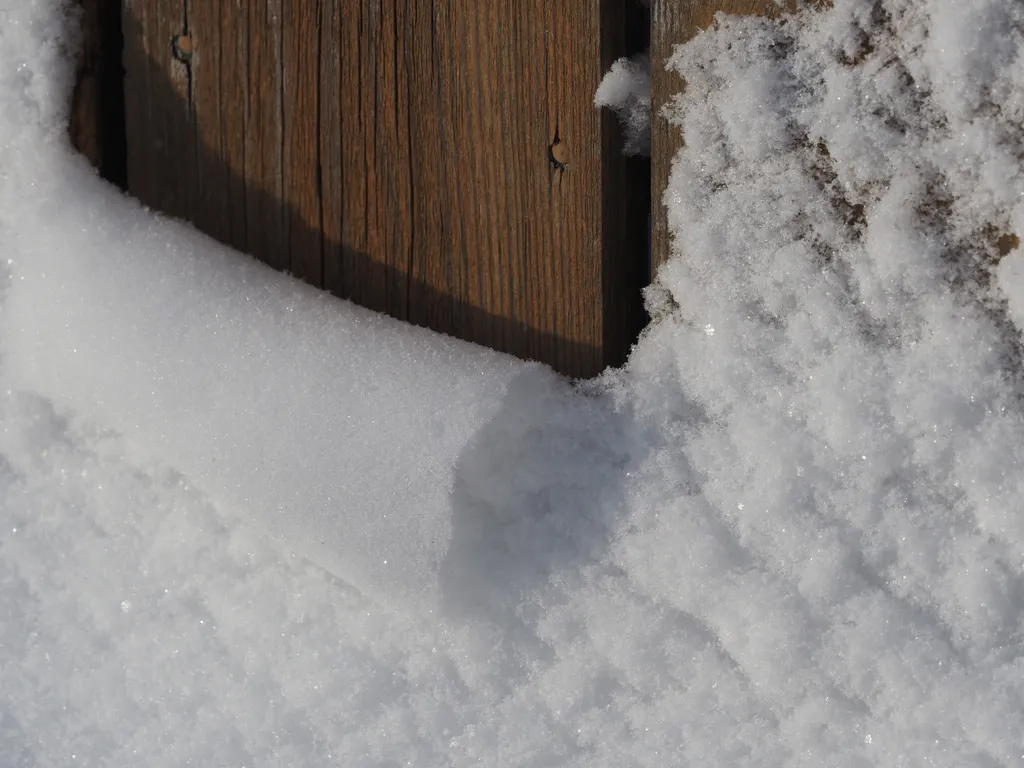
point(558, 155)
point(182, 47)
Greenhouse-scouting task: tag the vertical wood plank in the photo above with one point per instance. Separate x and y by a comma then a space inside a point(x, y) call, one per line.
point(573, 262)
point(330, 171)
point(301, 132)
point(232, 114)
point(355, 226)
point(674, 22)
point(265, 201)
point(394, 200)
point(474, 84)
point(86, 102)
point(176, 113)
point(397, 153)
point(210, 143)
point(140, 127)
point(525, 239)
point(462, 218)
point(97, 125)
point(431, 288)
point(362, 223)
point(445, 272)
point(160, 157)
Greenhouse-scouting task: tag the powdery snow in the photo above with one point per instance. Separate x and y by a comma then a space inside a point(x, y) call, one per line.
point(789, 532)
point(626, 89)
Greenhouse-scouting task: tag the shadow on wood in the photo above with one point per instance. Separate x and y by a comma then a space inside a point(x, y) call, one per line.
point(97, 114)
point(434, 204)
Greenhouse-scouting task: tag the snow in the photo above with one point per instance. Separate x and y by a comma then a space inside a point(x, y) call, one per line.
point(259, 389)
point(626, 89)
point(788, 532)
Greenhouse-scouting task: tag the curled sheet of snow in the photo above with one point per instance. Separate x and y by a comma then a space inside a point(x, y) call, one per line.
point(312, 416)
point(626, 89)
point(789, 532)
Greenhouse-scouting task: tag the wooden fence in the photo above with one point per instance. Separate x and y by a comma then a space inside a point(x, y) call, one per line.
point(398, 152)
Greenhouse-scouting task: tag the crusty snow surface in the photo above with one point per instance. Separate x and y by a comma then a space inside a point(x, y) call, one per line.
point(246, 524)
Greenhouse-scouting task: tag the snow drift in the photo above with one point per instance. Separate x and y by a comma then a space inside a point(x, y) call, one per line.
point(788, 532)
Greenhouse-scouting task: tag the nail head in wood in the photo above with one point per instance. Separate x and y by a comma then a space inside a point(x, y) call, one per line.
point(558, 155)
point(183, 47)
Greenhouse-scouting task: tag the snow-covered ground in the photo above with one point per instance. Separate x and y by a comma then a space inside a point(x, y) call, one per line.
point(244, 524)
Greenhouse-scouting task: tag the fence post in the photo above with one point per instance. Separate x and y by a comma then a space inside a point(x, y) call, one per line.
point(399, 154)
point(97, 105)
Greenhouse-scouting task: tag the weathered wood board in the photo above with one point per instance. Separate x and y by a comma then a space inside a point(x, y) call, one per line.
point(97, 109)
point(396, 152)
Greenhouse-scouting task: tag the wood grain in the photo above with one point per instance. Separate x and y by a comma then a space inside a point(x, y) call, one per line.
point(329, 171)
point(159, 107)
point(211, 210)
point(301, 128)
point(97, 105)
point(231, 111)
point(86, 105)
point(396, 152)
point(142, 144)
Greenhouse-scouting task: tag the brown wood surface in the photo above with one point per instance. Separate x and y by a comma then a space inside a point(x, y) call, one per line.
point(86, 113)
point(674, 22)
point(396, 152)
point(97, 107)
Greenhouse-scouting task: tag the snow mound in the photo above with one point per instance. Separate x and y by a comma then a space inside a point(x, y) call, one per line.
point(788, 532)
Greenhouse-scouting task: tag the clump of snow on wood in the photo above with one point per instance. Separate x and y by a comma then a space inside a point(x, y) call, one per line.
point(788, 532)
point(626, 89)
